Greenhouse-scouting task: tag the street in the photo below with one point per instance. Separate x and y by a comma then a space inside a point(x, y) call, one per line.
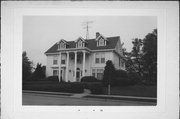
point(47, 99)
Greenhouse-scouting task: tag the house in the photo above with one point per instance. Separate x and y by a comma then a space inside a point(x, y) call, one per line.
point(71, 60)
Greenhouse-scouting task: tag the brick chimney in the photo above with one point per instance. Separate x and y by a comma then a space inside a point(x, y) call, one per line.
point(97, 34)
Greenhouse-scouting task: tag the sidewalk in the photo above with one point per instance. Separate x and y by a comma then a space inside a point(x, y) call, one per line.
point(87, 94)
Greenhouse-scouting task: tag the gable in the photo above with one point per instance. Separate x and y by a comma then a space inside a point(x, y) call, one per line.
point(80, 42)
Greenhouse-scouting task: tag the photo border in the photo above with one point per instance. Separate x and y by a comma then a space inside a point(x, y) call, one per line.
point(14, 16)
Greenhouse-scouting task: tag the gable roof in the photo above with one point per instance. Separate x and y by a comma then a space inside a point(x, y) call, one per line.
point(91, 44)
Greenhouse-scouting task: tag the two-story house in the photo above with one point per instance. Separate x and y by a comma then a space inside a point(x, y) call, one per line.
point(71, 60)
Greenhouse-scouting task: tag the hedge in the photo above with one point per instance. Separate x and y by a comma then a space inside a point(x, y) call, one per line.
point(124, 82)
point(53, 78)
point(89, 79)
point(72, 87)
point(69, 88)
point(95, 87)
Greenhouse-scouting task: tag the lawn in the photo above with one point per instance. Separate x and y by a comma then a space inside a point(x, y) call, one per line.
point(137, 90)
point(77, 87)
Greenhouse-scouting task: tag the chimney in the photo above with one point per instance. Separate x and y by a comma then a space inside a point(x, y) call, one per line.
point(97, 34)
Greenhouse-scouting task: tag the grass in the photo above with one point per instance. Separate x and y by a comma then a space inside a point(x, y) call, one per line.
point(137, 90)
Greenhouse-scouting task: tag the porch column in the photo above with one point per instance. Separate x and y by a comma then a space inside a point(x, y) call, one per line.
point(84, 59)
point(59, 66)
point(67, 66)
point(75, 64)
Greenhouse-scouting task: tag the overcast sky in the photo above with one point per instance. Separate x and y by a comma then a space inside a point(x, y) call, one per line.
point(41, 32)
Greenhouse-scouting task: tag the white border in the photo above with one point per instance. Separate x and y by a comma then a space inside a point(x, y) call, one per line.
point(12, 16)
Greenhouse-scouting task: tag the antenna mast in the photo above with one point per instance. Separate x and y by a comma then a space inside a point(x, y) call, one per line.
point(87, 28)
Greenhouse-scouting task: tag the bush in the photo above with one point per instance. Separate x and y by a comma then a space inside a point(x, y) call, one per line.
point(123, 82)
point(89, 79)
point(53, 78)
point(121, 73)
point(55, 87)
point(95, 88)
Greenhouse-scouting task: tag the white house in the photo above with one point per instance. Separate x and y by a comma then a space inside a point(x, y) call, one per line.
point(72, 60)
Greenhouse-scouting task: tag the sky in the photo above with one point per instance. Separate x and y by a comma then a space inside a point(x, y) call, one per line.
point(42, 32)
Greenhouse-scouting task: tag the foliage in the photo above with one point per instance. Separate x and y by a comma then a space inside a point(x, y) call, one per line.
point(94, 87)
point(119, 81)
point(39, 73)
point(121, 73)
point(55, 87)
point(142, 60)
point(150, 55)
point(88, 79)
point(26, 66)
point(53, 78)
point(108, 73)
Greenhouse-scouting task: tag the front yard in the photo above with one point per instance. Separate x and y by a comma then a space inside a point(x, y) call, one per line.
point(77, 87)
point(136, 90)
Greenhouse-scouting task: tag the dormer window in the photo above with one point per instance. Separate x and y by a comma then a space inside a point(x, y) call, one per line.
point(101, 40)
point(62, 44)
point(80, 42)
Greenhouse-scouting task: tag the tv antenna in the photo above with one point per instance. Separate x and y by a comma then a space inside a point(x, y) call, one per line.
point(86, 26)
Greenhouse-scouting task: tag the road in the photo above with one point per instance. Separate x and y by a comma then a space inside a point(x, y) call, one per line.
point(47, 99)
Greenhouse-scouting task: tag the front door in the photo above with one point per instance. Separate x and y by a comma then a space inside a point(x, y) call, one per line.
point(78, 75)
point(63, 74)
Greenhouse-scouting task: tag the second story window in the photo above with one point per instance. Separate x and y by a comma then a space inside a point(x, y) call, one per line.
point(55, 60)
point(103, 58)
point(63, 61)
point(100, 58)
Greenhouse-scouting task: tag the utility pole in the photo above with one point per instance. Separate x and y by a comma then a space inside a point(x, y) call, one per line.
point(86, 26)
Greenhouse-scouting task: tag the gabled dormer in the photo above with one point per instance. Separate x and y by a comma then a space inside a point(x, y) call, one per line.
point(62, 44)
point(101, 40)
point(80, 42)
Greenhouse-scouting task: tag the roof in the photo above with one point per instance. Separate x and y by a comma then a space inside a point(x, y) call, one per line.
point(91, 44)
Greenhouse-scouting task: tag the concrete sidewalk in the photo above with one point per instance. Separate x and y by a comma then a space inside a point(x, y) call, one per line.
point(88, 95)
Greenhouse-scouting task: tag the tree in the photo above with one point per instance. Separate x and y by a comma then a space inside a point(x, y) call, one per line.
point(150, 55)
point(39, 72)
point(108, 76)
point(26, 66)
point(136, 55)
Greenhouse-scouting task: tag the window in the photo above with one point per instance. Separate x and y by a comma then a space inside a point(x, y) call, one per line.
point(100, 58)
point(80, 43)
point(55, 72)
point(94, 72)
point(101, 42)
point(97, 60)
point(63, 61)
point(62, 45)
point(55, 60)
point(100, 74)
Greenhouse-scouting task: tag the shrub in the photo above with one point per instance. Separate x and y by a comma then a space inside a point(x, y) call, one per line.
point(76, 88)
point(123, 82)
point(134, 76)
point(121, 73)
point(55, 87)
point(95, 88)
point(89, 79)
point(53, 78)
